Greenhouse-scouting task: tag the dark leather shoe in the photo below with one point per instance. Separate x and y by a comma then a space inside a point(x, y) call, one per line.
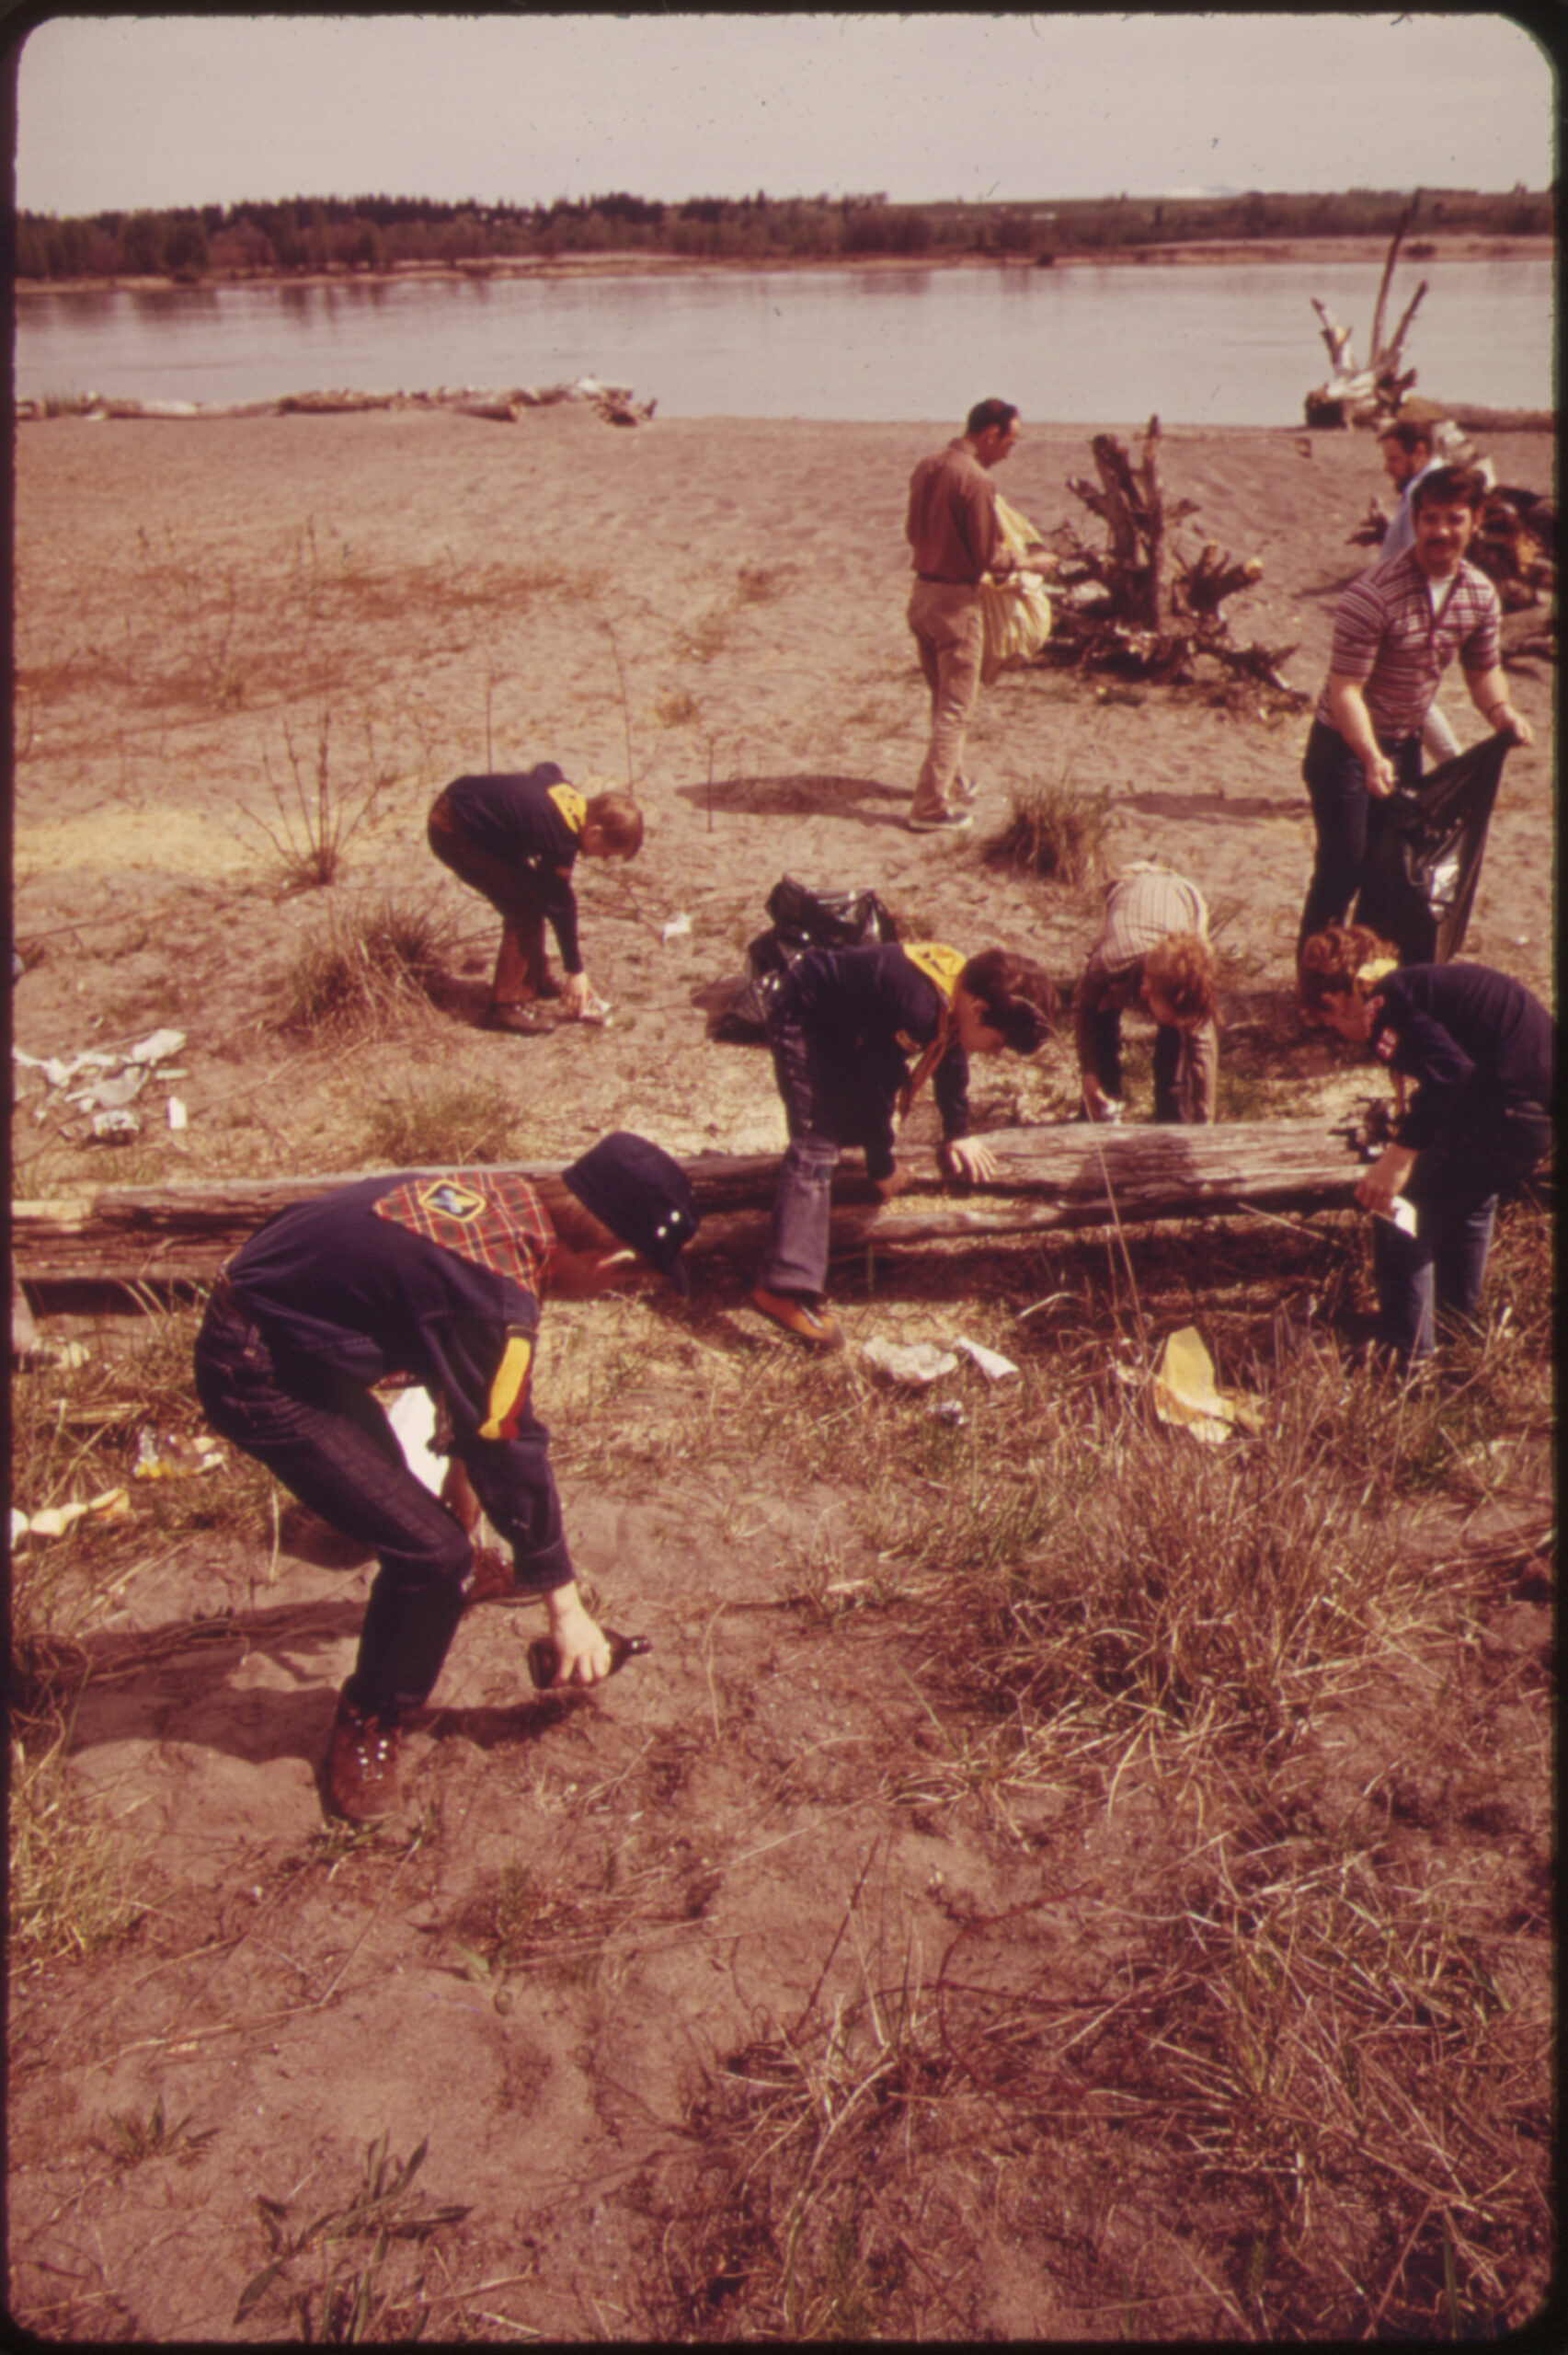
point(523, 1021)
point(492, 1578)
point(362, 1763)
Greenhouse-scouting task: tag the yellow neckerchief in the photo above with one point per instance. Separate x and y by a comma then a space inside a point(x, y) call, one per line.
point(941, 967)
point(572, 805)
point(1369, 974)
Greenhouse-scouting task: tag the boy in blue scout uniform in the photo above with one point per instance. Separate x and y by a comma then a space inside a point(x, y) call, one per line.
point(842, 1024)
point(515, 838)
point(440, 1276)
point(1480, 1050)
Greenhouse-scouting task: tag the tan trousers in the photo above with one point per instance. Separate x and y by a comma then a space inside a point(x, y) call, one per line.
point(949, 629)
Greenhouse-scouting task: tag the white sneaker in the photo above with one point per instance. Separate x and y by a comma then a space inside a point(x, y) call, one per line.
point(950, 821)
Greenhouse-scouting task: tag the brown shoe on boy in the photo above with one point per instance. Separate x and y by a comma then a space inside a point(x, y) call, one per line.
point(362, 1763)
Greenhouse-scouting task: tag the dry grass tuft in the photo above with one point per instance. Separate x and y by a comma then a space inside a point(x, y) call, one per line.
point(374, 962)
point(447, 1121)
point(1055, 833)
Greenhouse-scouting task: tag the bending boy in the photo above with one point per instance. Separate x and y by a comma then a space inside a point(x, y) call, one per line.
point(514, 838)
point(1153, 950)
point(440, 1276)
point(842, 1024)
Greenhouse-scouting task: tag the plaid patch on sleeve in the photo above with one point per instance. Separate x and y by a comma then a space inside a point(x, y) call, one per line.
point(490, 1220)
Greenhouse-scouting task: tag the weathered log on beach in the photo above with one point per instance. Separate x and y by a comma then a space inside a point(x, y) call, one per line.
point(1067, 1174)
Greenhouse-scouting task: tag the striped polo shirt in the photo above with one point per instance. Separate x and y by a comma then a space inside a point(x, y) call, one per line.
point(1395, 642)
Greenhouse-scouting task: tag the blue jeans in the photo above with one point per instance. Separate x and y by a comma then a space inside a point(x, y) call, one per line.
point(799, 1235)
point(1173, 1100)
point(328, 1441)
point(1454, 1189)
point(1349, 820)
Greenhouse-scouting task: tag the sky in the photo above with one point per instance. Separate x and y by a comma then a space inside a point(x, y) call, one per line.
point(115, 114)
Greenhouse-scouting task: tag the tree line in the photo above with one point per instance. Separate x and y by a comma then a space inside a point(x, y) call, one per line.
point(188, 244)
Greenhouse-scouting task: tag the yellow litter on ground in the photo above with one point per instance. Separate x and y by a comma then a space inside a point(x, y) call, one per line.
point(1185, 1391)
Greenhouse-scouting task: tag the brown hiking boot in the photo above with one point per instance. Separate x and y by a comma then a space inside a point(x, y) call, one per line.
point(493, 1579)
point(362, 1763)
point(809, 1319)
point(524, 1020)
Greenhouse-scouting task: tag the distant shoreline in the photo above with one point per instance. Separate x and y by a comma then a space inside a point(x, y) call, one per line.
point(1196, 253)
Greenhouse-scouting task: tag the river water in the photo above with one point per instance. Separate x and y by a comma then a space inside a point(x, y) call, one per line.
point(1200, 345)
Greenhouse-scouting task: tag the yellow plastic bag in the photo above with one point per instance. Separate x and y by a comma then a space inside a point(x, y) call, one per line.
point(1016, 612)
point(1185, 1391)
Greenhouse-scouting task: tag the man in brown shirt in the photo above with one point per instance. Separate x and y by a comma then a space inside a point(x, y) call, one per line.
point(957, 538)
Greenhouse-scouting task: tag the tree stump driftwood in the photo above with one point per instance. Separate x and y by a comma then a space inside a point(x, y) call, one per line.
point(1138, 606)
point(1356, 396)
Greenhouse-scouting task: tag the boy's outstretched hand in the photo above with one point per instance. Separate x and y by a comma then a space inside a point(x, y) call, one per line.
point(965, 1158)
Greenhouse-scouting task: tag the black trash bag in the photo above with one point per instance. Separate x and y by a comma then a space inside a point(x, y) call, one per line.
point(1420, 881)
point(802, 919)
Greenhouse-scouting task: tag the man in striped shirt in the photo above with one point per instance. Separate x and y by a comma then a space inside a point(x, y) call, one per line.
point(1394, 635)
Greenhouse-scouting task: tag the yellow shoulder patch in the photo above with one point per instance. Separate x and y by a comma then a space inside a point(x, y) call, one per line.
point(937, 962)
point(508, 1393)
point(572, 805)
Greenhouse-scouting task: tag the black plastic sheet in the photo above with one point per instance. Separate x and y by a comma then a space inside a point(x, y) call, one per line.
point(1420, 881)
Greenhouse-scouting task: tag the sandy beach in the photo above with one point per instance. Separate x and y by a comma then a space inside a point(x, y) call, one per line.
point(716, 607)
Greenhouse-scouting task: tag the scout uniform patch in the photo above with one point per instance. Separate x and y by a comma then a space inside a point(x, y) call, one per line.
point(941, 967)
point(937, 962)
point(489, 1220)
point(572, 805)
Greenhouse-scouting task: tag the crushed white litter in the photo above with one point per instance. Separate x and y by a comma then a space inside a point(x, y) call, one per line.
point(913, 1363)
point(994, 1367)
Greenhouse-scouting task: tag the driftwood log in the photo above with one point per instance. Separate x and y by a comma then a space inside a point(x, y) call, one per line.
point(1138, 606)
point(504, 405)
point(1067, 1174)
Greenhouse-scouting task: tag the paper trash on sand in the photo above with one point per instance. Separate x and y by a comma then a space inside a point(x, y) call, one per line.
point(55, 1520)
point(158, 1048)
point(1185, 1391)
point(115, 1128)
point(914, 1363)
point(172, 1455)
point(109, 1094)
point(994, 1367)
point(677, 928)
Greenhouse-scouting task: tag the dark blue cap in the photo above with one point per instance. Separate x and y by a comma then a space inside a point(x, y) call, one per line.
point(640, 1194)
